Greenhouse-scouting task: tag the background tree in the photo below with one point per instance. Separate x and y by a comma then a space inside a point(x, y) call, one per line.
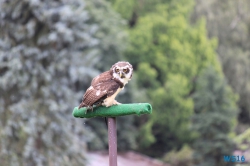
point(49, 52)
point(243, 142)
point(168, 54)
point(214, 118)
point(229, 21)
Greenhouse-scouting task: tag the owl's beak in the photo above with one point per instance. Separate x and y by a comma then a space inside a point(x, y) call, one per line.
point(122, 75)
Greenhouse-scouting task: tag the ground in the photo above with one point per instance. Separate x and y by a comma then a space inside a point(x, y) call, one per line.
point(123, 159)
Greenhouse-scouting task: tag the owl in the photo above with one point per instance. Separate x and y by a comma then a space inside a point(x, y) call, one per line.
point(105, 87)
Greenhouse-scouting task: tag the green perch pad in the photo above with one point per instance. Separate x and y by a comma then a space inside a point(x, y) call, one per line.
point(113, 111)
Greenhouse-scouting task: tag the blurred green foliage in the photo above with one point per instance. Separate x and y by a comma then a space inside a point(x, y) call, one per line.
point(243, 140)
point(50, 51)
point(229, 22)
point(168, 54)
point(214, 118)
point(183, 157)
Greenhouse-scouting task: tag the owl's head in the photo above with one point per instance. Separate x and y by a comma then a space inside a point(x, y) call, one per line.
point(122, 71)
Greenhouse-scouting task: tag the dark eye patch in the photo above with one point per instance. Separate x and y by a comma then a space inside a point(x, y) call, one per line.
point(117, 70)
point(126, 70)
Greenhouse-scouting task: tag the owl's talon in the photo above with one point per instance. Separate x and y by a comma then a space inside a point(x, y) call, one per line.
point(108, 104)
point(116, 103)
point(89, 108)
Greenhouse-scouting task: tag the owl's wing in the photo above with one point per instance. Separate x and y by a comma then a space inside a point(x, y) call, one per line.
point(103, 77)
point(98, 92)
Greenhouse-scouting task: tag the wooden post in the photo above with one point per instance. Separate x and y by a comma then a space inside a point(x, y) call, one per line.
point(112, 141)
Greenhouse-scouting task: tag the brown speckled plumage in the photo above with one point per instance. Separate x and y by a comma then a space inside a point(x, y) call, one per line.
point(107, 85)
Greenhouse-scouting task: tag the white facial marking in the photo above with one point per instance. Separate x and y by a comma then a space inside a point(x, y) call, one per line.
point(98, 93)
point(121, 69)
point(116, 75)
point(91, 87)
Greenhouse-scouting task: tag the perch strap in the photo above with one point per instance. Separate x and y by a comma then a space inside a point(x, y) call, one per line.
point(113, 111)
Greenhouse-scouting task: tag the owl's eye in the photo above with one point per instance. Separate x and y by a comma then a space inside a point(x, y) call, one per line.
point(116, 70)
point(125, 70)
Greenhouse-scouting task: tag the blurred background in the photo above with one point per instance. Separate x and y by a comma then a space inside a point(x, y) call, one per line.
point(191, 62)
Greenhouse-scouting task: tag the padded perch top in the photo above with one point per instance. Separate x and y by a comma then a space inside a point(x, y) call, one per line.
point(113, 111)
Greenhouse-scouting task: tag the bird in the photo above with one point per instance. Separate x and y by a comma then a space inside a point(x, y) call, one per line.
point(106, 86)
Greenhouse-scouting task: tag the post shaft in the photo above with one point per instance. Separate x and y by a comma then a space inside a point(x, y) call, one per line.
point(112, 141)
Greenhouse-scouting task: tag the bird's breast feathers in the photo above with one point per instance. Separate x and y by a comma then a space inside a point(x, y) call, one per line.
point(111, 99)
